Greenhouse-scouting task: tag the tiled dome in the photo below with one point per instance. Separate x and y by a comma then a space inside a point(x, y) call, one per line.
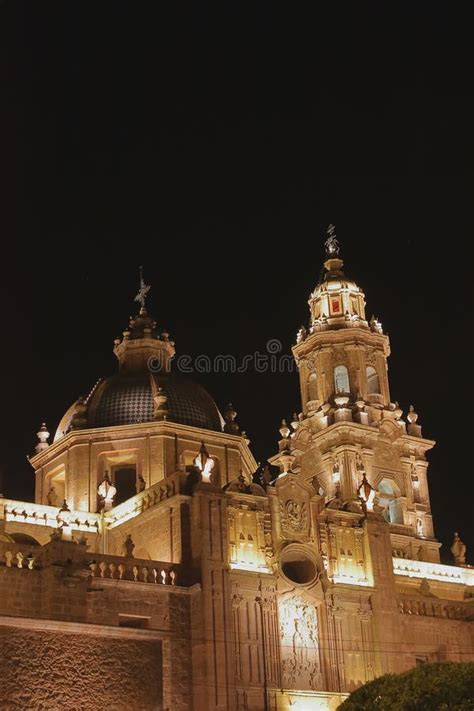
point(125, 400)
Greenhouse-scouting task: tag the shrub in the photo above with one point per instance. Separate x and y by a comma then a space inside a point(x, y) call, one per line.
point(444, 686)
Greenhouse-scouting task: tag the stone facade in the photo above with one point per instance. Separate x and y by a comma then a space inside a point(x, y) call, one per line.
point(205, 586)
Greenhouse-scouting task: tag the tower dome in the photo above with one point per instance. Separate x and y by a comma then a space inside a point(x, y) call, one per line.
point(144, 389)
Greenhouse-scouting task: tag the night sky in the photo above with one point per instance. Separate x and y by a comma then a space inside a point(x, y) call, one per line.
point(213, 143)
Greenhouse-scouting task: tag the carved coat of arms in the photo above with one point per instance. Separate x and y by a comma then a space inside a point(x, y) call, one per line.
point(294, 516)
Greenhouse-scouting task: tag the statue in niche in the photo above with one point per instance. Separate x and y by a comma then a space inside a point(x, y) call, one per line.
point(51, 497)
point(299, 647)
point(458, 549)
point(128, 546)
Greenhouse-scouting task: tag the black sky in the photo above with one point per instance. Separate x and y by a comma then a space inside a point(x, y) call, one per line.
point(213, 143)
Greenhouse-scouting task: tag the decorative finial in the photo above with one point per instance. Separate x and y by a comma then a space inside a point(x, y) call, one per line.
point(160, 401)
point(64, 508)
point(43, 436)
point(458, 549)
point(143, 291)
point(231, 427)
point(284, 429)
point(332, 245)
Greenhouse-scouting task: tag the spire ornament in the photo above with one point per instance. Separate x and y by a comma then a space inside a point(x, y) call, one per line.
point(331, 244)
point(143, 291)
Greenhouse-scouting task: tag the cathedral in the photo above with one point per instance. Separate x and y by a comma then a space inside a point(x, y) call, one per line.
point(159, 568)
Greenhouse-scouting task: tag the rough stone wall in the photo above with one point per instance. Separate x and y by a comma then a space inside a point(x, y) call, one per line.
point(51, 671)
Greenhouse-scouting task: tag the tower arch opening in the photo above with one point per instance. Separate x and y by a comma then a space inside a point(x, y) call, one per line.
point(313, 386)
point(341, 380)
point(373, 382)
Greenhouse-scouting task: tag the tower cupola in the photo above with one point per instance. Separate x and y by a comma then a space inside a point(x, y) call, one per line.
point(336, 302)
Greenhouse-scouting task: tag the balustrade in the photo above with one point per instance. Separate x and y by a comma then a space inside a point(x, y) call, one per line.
point(138, 571)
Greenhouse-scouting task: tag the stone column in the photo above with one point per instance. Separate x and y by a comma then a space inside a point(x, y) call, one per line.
point(210, 553)
point(386, 625)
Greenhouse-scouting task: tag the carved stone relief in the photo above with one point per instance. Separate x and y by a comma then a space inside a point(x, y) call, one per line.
point(294, 498)
point(299, 640)
point(294, 514)
point(370, 357)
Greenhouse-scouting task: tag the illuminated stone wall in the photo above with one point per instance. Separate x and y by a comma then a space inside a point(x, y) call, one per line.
point(78, 671)
point(157, 533)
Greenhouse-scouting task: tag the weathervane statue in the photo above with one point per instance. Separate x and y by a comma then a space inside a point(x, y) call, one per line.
point(143, 290)
point(332, 245)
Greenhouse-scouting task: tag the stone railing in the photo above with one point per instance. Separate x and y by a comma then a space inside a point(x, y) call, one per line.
point(134, 506)
point(433, 571)
point(437, 608)
point(140, 571)
point(19, 555)
point(43, 515)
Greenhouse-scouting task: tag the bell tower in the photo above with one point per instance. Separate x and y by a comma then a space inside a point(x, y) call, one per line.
point(342, 358)
point(350, 439)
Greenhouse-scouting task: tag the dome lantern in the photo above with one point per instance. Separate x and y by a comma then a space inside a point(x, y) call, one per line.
point(142, 345)
point(336, 302)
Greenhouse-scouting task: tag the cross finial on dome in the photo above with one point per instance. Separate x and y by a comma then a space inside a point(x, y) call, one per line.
point(143, 291)
point(332, 244)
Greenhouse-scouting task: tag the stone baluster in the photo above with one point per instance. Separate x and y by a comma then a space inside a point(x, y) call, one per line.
point(102, 568)
point(145, 574)
point(8, 559)
point(19, 558)
point(121, 570)
point(135, 573)
point(163, 577)
point(112, 568)
point(155, 575)
point(93, 567)
point(173, 577)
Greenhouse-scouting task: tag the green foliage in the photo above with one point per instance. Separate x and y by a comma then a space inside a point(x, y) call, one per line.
point(445, 686)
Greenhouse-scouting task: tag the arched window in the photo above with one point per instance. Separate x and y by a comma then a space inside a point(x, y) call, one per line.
point(312, 387)
point(373, 385)
point(341, 379)
point(389, 498)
